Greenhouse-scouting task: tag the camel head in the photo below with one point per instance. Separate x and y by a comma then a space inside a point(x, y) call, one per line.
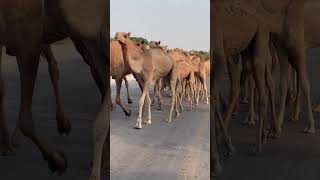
point(155, 43)
point(123, 37)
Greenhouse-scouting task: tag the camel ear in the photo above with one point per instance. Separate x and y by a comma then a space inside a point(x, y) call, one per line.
point(159, 42)
point(129, 34)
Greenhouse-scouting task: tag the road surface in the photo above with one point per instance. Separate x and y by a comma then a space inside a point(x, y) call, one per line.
point(161, 151)
point(81, 100)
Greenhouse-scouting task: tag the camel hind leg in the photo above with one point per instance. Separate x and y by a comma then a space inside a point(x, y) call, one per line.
point(28, 63)
point(173, 81)
point(127, 87)
point(118, 100)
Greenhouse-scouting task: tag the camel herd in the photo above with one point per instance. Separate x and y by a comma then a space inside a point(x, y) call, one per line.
point(183, 72)
point(269, 34)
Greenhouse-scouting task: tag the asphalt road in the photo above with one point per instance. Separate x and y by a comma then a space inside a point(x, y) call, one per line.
point(81, 100)
point(295, 156)
point(161, 151)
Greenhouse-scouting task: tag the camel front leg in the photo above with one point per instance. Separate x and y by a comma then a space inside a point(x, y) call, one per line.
point(141, 103)
point(234, 69)
point(148, 120)
point(250, 120)
point(299, 62)
point(64, 125)
point(28, 63)
point(100, 132)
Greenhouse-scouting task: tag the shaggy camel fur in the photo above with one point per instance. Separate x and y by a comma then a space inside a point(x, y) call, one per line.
point(25, 27)
point(150, 65)
point(118, 71)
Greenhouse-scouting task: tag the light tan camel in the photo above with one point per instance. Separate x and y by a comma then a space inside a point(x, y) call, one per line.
point(186, 73)
point(118, 71)
point(25, 27)
point(150, 65)
point(199, 71)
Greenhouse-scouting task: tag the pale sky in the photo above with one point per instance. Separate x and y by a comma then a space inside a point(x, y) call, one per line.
point(177, 23)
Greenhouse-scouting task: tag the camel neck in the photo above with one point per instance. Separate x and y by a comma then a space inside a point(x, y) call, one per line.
point(132, 55)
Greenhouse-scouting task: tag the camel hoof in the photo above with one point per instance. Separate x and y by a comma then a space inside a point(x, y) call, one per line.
point(294, 119)
point(177, 115)
point(138, 126)
point(217, 169)
point(64, 125)
point(58, 162)
point(244, 101)
point(6, 150)
point(168, 120)
point(316, 109)
point(129, 101)
point(148, 121)
point(256, 152)
point(310, 130)
point(230, 152)
point(93, 177)
point(128, 113)
point(15, 139)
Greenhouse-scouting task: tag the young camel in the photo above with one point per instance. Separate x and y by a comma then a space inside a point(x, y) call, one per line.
point(150, 65)
point(25, 37)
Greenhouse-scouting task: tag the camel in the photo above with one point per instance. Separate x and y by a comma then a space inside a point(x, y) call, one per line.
point(291, 44)
point(186, 72)
point(292, 47)
point(24, 28)
point(149, 65)
point(251, 36)
point(63, 122)
point(118, 71)
point(199, 71)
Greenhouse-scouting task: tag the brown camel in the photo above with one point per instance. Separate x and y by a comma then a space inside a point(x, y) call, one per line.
point(149, 65)
point(118, 71)
point(252, 35)
point(304, 36)
point(63, 122)
point(25, 28)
